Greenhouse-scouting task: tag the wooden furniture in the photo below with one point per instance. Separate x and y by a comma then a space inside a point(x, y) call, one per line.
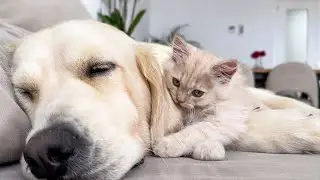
point(260, 77)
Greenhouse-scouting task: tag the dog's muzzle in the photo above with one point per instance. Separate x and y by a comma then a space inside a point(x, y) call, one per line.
point(50, 152)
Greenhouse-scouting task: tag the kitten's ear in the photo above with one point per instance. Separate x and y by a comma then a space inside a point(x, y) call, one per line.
point(226, 69)
point(179, 49)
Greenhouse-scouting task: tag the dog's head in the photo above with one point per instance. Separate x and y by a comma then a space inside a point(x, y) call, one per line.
point(83, 85)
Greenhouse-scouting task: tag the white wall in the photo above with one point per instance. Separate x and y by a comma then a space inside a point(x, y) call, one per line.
point(209, 20)
point(92, 6)
point(142, 30)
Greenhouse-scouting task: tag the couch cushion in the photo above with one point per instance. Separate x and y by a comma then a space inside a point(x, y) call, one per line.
point(238, 165)
point(36, 14)
point(14, 124)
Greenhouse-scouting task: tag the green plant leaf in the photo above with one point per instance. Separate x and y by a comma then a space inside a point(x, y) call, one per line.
point(118, 20)
point(167, 39)
point(105, 19)
point(135, 21)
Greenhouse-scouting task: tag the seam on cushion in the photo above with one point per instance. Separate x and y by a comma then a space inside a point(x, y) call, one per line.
point(8, 95)
point(13, 30)
point(4, 57)
point(5, 80)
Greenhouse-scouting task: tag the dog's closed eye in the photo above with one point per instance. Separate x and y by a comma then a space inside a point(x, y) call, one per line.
point(100, 69)
point(26, 93)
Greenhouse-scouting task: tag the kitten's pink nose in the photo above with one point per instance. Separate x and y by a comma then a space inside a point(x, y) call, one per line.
point(181, 98)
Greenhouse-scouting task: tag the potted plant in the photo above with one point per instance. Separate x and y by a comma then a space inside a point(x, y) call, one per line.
point(118, 15)
point(167, 39)
point(257, 57)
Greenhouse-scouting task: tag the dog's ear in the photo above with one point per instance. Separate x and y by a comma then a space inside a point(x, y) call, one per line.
point(9, 47)
point(152, 72)
point(8, 50)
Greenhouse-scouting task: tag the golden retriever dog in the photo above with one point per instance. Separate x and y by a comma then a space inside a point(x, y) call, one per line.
point(97, 102)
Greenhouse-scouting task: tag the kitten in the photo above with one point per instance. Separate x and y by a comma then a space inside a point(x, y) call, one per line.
point(213, 103)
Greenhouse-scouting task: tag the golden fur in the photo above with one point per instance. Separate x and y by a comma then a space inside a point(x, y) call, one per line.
point(126, 112)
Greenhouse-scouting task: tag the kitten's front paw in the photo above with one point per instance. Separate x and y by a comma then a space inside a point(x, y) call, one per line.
point(169, 146)
point(209, 151)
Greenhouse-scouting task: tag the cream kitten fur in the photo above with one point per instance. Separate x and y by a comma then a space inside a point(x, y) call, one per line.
point(217, 111)
point(212, 100)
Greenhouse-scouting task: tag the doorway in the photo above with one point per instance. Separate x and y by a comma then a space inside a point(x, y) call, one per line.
point(296, 34)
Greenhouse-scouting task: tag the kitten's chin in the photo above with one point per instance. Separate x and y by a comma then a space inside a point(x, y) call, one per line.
point(187, 106)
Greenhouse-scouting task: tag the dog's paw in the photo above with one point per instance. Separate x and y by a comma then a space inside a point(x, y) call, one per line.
point(209, 151)
point(169, 146)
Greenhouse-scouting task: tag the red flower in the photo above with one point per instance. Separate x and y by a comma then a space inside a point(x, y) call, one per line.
point(255, 55)
point(262, 53)
point(258, 54)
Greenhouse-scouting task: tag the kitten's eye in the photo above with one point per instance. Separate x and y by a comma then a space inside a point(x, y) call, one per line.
point(218, 75)
point(100, 69)
point(175, 82)
point(197, 93)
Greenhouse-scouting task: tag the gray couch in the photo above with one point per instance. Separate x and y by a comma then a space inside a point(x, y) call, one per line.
point(14, 124)
point(237, 166)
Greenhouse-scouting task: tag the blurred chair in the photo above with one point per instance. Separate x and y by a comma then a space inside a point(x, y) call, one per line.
point(296, 77)
point(247, 72)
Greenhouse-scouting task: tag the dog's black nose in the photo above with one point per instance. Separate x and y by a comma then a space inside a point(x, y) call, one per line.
point(48, 152)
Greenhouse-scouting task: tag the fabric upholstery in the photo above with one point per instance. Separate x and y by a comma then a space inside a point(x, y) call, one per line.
point(14, 124)
point(237, 166)
point(298, 95)
point(295, 77)
point(36, 14)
